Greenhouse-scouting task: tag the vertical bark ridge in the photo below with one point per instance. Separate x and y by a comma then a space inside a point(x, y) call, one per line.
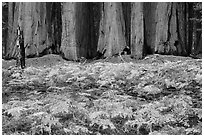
point(137, 30)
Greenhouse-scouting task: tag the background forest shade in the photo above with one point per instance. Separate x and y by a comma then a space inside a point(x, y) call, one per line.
point(91, 29)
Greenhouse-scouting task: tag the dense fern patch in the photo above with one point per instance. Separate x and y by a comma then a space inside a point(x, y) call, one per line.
point(154, 96)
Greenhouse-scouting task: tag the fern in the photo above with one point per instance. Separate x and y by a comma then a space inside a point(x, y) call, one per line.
point(105, 98)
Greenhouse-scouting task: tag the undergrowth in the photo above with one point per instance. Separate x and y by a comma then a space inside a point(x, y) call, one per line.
point(104, 98)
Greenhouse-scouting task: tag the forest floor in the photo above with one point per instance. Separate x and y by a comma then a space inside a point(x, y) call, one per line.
point(157, 95)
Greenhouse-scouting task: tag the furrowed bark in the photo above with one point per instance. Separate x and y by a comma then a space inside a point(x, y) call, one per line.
point(137, 30)
point(112, 29)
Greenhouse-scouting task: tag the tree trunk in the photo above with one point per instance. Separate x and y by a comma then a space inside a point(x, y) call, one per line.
point(137, 30)
point(95, 13)
point(12, 28)
point(4, 27)
point(127, 18)
point(163, 16)
point(76, 31)
point(170, 29)
point(54, 25)
point(35, 20)
point(187, 34)
point(93, 24)
point(181, 27)
point(112, 29)
point(37, 40)
point(149, 26)
point(81, 29)
point(194, 35)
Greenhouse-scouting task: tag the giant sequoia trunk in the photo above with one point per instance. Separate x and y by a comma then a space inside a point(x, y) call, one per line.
point(54, 25)
point(112, 29)
point(170, 29)
point(12, 28)
point(81, 29)
point(127, 18)
point(4, 27)
point(149, 26)
point(137, 30)
point(76, 31)
point(35, 21)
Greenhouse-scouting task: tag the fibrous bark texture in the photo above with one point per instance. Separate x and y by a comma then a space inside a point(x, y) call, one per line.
point(170, 29)
point(12, 29)
point(35, 21)
point(149, 26)
point(69, 45)
point(112, 29)
point(4, 27)
point(127, 18)
point(84, 29)
point(77, 31)
point(137, 30)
